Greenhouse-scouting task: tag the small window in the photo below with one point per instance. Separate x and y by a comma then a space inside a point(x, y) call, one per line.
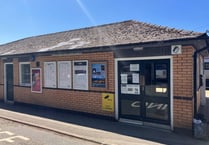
point(25, 74)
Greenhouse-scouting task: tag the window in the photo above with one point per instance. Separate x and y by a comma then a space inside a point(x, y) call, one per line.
point(206, 65)
point(24, 74)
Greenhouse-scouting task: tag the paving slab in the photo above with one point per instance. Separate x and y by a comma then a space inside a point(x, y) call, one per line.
point(98, 130)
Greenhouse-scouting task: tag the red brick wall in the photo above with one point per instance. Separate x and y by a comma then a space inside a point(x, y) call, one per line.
point(91, 101)
point(84, 101)
point(183, 88)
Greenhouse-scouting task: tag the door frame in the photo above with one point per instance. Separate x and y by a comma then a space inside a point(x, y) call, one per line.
point(5, 84)
point(171, 86)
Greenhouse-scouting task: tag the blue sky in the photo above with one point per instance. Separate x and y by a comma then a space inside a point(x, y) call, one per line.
point(24, 18)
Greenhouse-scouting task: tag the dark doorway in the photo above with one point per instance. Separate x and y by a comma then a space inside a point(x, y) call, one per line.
point(9, 82)
point(144, 90)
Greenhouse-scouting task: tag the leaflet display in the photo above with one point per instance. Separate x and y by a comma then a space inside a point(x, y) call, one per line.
point(64, 74)
point(130, 80)
point(50, 79)
point(80, 75)
point(130, 89)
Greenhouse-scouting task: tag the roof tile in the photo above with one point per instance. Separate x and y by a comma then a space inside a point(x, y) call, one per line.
point(126, 32)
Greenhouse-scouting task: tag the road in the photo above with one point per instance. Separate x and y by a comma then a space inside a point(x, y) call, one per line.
point(12, 133)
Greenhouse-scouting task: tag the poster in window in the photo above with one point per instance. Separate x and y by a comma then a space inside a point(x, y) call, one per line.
point(130, 89)
point(36, 80)
point(80, 75)
point(134, 67)
point(64, 74)
point(161, 74)
point(98, 77)
point(135, 78)
point(50, 79)
point(161, 71)
point(124, 78)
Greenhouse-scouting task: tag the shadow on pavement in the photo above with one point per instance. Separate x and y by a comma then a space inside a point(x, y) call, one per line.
point(107, 124)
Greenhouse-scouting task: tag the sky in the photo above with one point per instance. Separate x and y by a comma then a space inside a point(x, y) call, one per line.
point(26, 18)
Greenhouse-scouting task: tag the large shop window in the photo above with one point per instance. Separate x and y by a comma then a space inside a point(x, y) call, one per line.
point(25, 74)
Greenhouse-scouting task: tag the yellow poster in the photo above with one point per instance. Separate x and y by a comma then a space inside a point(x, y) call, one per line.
point(108, 102)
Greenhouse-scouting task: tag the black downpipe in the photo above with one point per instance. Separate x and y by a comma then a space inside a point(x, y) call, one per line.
point(195, 82)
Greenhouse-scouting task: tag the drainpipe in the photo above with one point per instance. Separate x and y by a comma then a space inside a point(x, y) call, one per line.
point(195, 74)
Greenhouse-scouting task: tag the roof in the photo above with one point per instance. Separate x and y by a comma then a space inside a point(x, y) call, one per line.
point(127, 32)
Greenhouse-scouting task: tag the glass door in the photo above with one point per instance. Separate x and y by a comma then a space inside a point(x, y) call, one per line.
point(144, 90)
point(156, 94)
point(130, 99)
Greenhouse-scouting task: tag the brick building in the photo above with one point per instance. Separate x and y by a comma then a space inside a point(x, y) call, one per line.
point(131, 71)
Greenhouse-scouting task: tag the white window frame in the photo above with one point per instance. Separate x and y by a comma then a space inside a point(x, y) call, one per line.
point(171, 126)
point(20, 74)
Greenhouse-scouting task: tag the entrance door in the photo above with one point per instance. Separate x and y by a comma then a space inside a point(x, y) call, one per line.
point(144, 90)
point(9, 90)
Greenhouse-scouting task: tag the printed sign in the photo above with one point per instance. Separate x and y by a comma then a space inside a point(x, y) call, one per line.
point(98, 75)
point(134, 67)
point(124, 78)
point(64, 74)
point(36, 80)
point(50, 79)
point(108, 102)
point(130, 89)
point(80, 75)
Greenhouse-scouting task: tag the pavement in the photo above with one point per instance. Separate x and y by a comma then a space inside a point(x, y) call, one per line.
point(94, 129)
point(205, 109)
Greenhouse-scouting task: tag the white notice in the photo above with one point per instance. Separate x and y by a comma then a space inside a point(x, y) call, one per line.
point(124, 78)
point(80, 75)
point(50, 79)
point(130, 89)
point(134, 67)
point(64, 74)
point(135, 78)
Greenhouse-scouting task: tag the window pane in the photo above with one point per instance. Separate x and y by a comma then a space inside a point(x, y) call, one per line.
point(157, 110)
point(130, 107)
point(25, 74)
point(206, 65)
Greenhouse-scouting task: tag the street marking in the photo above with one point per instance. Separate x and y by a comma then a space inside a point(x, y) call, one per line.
point(7, 132)
point(10, 139)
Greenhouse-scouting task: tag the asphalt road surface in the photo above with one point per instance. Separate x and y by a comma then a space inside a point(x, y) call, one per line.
point(12, 133)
